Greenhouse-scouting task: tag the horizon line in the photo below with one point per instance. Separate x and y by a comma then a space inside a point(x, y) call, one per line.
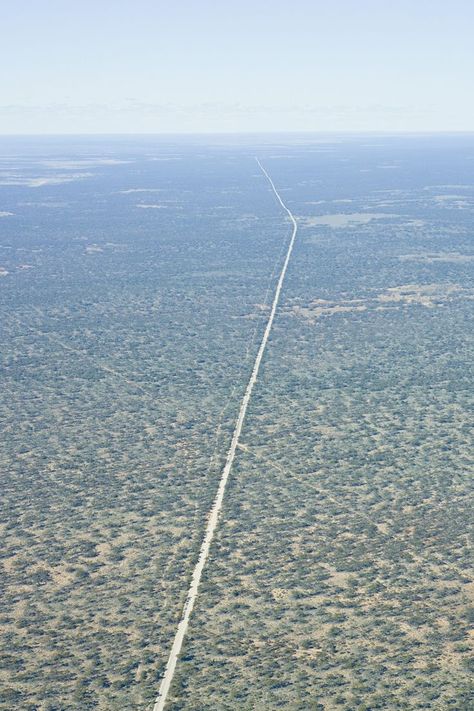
point(342, 132)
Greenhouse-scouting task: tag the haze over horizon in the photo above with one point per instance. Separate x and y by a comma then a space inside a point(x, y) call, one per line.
point(147, 67)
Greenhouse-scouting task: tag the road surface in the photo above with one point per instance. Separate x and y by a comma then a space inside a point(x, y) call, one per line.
point(213, 518)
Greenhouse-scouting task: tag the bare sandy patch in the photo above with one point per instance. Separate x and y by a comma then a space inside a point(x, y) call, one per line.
point(140, 190)
point(151, 207)
point(432, 257)
point(341, 220)
point(422, 294)
point(326, 202)
point(44, 180)
point(82, 163)
point(43, 204)
point(450, 186)
point(392, 298)
point(458, 202)
point(315, 311)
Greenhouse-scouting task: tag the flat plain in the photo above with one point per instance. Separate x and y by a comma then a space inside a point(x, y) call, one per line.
point(135, 279)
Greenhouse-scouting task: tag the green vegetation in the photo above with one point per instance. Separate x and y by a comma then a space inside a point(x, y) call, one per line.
point(340, 577)
point(123, 372)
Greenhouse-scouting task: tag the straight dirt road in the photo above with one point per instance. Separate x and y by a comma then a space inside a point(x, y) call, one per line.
point(213, 518)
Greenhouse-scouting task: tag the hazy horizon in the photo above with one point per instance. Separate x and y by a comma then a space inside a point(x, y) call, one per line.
point(306, 134)
point(147, 67)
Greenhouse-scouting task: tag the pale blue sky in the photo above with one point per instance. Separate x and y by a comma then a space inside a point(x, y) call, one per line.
point(146, 66)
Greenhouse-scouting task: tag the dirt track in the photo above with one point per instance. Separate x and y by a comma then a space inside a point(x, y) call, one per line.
point(213, 517)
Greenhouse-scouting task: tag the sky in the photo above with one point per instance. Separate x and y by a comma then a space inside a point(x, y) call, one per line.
point(202, 66)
